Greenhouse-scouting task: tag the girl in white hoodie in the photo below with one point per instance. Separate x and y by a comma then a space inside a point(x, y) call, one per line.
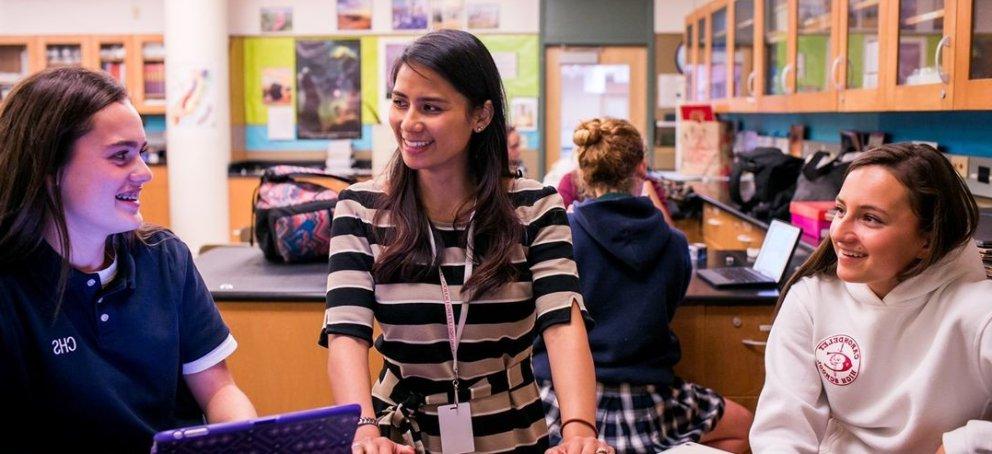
point(883, 338)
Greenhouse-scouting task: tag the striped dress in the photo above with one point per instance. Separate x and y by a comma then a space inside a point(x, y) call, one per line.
point(495, 350)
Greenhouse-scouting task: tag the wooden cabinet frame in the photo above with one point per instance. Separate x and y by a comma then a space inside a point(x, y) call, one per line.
point(979, 90)
point(938, 96)
point(863, 99)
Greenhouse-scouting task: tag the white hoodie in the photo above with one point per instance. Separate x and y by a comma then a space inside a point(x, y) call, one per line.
point(848, 372)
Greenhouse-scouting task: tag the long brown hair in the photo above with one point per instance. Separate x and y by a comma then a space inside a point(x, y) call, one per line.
point(939, 198)
point(40, 121)
point(464, 62)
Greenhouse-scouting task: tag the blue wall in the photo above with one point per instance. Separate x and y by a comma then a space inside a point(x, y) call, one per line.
point(957, 132)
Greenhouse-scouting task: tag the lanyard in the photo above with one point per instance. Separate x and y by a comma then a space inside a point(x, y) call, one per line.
point(454, 333)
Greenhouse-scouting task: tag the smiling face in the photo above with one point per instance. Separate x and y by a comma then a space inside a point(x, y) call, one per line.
point(875, 233)
point(433, 122)
point(102, 180)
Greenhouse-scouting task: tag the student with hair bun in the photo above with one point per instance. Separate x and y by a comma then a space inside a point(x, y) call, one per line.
point(882, 340)
point(634, 270)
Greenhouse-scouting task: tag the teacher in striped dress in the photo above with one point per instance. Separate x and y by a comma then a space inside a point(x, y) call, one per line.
point(462, 266)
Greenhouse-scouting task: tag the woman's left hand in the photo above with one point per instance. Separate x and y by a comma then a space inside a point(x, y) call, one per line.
point(581, 445)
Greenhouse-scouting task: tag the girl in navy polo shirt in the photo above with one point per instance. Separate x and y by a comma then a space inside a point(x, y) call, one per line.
point(107, 332)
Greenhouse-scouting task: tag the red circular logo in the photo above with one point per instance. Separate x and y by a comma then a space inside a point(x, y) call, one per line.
point(838, 358)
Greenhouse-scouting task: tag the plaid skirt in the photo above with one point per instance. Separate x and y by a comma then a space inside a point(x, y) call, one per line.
point(644, 418)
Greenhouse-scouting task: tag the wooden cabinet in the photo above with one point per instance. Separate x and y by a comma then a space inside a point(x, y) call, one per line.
point(278, 363)
point(155, 197)
point(17, 60)
point(723, 348)
point(147, 88)
point(726, 231)
point(138, 62)
point(861, 56)
point(921, 65)
point(840, 55)
point(973, 59)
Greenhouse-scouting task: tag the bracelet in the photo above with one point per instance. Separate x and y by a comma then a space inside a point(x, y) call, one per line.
point(366, 421)
point(580, 421)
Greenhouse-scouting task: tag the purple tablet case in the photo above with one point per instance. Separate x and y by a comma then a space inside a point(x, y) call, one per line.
point(319, 430)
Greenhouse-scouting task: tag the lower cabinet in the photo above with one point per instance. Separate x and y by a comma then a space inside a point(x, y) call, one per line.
point(278, 363)
point(723, 349)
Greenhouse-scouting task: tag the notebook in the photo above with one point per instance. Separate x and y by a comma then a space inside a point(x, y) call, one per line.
point(318, 430)
point(776, 251)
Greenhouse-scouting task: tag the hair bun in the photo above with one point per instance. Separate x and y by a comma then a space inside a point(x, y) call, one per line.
point(587, 134)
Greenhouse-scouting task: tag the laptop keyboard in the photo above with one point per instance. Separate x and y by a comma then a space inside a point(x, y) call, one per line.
point(741, 274)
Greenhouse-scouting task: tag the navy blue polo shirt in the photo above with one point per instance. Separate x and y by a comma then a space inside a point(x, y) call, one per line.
point(105, 371)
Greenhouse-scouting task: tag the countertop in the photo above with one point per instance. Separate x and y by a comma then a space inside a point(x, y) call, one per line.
point(241, 273)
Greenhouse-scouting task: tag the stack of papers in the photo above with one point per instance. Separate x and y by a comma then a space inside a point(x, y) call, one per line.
point(338, 156)
point(983, 236)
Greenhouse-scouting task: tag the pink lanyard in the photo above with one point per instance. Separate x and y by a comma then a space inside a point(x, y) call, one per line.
point(454, 333)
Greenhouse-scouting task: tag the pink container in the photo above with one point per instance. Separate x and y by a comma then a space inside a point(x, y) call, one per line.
point(811, 216)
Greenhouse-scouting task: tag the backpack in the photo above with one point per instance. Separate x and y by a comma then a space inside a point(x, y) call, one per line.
point(775, 175)
point(822, 176)
point(291, 219)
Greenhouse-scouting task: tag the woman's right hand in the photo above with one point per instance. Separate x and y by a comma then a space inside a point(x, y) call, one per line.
point(368, 441)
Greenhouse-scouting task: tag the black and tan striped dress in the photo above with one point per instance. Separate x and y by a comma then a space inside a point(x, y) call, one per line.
point(494, 354)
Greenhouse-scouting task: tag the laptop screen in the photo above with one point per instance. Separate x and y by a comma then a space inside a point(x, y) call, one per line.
point(777, 249)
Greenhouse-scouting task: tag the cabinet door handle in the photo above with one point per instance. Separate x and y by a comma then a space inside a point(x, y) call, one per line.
point(765, 328)
point(838, 85)
point(938, 58)
point(713, 222)
point(753, 343)
point(750, 86)
point(785, 78)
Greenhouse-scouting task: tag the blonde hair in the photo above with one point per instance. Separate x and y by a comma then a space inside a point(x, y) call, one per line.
point(609, 151)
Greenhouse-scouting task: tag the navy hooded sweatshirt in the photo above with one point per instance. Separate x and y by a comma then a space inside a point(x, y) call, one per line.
point(633, 271)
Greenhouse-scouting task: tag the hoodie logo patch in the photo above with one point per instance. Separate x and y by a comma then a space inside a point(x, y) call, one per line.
point(838, 358)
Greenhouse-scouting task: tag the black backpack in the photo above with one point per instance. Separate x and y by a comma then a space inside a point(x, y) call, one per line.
point(775, 175)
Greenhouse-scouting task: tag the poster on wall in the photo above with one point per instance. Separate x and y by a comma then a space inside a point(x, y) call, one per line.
point(409, 14)
point(329, 89)
point(277, 86)
point(354, 14)
point(390, 50)
point(483, 16)
point(191, 97)
point(447, 14)
point(277, 19)
point(523, 113)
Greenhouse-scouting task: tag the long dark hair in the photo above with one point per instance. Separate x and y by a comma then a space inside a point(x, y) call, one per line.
point(939, 197)
point(40, 121)
point(464, 62)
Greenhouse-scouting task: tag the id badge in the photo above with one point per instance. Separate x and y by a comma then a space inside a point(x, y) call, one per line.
point(456, 428)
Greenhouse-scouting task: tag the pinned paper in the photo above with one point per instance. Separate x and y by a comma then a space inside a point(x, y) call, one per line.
point(281, 125)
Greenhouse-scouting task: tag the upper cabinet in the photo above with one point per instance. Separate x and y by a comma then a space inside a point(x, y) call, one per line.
point(973, 61)
point(15, 61)
point(138, 62)
point(860, 58)
point(921, 57)
point(841, 55)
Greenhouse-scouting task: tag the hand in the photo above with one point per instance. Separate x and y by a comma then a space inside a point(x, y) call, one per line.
point(581, 445)
point(368, 441)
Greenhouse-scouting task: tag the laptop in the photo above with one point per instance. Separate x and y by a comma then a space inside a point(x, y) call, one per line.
point(318, 430)
point(776, 251)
